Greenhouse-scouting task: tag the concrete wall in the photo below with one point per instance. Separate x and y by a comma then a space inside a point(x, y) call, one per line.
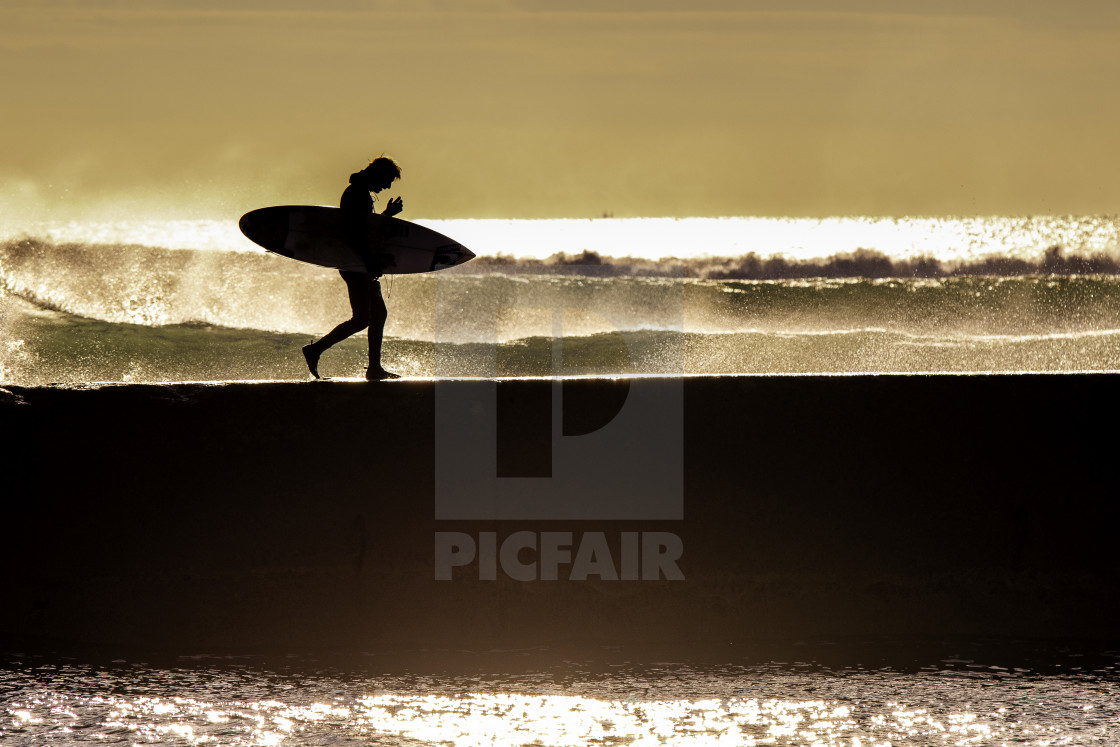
point(300, 516)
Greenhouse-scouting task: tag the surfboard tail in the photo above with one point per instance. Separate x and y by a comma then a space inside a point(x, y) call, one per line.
point(450, 256)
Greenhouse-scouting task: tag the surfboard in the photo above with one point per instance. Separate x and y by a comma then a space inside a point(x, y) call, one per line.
point(317, 235)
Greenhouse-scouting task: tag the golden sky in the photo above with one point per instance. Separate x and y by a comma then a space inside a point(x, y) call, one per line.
point(133, 108)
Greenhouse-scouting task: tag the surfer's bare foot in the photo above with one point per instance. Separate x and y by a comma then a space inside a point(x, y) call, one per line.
point(380, 374)
point(311, 355)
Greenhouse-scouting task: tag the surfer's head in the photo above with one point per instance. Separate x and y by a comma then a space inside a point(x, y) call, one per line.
point(379, 175)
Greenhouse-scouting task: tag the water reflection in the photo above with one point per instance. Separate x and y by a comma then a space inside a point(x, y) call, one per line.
point(246, 703)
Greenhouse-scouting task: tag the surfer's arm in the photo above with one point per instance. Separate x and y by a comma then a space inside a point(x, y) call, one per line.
point(371, 253)
point(372, 257)
point(354, 231)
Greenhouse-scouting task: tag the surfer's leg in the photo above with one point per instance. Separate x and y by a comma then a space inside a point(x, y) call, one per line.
point(358, 289)
point(311, 356)
point(377, 316)
point(378, 313)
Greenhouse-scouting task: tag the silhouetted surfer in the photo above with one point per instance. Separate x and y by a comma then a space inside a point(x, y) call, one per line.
point(364, 288)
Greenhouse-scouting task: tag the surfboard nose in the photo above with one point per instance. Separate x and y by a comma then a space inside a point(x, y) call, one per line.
point(246, 225)
point(265, 227)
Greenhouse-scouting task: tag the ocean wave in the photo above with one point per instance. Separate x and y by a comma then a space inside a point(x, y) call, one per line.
point(156, 287)
point(52, 350)
point(84, 312)
point(153, 286)
point(862, 263)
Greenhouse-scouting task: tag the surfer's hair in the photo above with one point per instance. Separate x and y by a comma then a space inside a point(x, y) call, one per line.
point(385, 165)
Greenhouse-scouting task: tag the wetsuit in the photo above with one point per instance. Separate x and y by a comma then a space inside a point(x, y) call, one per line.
point(366, 304)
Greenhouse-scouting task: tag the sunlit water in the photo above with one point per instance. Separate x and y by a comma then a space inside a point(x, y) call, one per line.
point(945, 238)
point(956, 702)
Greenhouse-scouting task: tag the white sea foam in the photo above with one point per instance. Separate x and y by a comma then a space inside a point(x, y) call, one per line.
point(945, 239)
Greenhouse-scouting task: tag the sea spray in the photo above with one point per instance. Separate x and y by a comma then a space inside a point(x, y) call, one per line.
point(75, 312)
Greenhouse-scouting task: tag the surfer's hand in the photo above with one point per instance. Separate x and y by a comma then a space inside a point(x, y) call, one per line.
point(395, 206)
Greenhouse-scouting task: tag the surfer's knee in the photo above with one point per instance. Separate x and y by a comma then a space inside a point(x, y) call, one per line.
point(378, 313)
point(355, 323)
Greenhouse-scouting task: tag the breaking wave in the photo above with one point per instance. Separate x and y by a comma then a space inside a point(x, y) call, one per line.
point(862, 263)
point(73, 312)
